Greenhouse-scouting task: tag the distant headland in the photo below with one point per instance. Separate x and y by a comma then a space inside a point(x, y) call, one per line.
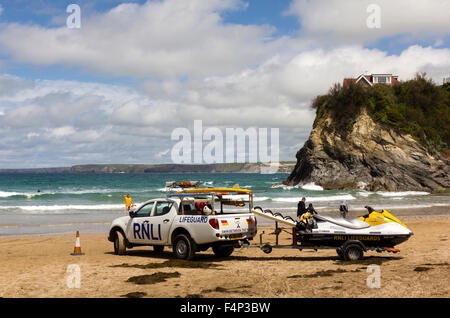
point(284, 167)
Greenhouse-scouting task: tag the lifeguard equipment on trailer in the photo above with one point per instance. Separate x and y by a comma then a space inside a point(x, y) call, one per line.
point(188, 184)
point(171, 184)
point(182, 184)
point(212, 196)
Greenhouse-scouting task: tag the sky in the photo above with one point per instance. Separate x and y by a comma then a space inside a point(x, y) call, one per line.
point(115, 89)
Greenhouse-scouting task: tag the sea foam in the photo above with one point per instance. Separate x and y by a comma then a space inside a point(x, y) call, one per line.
point(347, 197)
point(312, 187)
point(68, 207)
point(401, 194)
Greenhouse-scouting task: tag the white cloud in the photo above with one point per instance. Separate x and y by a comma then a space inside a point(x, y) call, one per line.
point(10, 85)
point(195, 67)
point(311, 73)
point(338, 20)
point(61, 131)
point(32, 134)
point(163, 153)
point(288, 87)
point(111, 123)
point(88, 136)
point(156, 39)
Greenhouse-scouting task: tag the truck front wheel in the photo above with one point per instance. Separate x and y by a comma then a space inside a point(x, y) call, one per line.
point(223, 251)
point(183, 247)
point(119, 243)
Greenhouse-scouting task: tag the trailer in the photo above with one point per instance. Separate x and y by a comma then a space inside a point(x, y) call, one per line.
point(348, 247)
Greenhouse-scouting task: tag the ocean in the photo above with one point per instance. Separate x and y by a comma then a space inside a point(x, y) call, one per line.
point(56, 203)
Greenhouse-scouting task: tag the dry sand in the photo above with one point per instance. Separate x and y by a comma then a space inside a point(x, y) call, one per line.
point(36, 266)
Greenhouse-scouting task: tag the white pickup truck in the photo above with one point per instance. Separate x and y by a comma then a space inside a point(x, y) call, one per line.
point(174, 221)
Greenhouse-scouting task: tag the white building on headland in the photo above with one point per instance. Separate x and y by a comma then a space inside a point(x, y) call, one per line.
point(373, 79)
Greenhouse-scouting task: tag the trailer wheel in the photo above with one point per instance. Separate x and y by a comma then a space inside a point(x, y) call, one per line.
point(353, 252)
point(119, 243)
point(223, 251)
point(184, 247)
point(266, 248)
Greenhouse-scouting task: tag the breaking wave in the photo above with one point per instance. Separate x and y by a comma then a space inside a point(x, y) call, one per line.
point(347, 197)
point(401, 194)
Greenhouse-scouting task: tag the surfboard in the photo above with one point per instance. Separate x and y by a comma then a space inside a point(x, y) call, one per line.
point(274, 218)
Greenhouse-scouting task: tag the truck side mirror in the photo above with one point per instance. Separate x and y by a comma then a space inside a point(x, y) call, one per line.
point(132, 214)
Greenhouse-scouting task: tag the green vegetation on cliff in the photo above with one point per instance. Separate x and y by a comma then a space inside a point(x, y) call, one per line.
point(417, 106)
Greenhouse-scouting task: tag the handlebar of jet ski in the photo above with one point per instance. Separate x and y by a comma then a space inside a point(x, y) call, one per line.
point(369, 209)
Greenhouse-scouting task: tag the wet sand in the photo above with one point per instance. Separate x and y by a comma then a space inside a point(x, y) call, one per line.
point(37, 266)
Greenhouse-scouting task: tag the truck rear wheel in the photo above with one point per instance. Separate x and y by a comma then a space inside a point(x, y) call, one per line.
point(119, 243)
point(353, 252)
point(340, 253)
point(183, 247)
point(223, 251)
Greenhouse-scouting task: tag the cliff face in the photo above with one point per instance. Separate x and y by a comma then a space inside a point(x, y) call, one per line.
point(367, 155)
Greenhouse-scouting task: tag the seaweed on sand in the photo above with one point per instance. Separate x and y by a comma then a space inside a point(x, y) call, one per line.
point(171, 264)
point(324, 273)
point(154, 278)
point(135, 295)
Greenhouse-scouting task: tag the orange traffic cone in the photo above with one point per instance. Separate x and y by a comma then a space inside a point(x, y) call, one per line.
point(77, 249)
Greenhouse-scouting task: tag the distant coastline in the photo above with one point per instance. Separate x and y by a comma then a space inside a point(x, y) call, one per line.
point(284, 167)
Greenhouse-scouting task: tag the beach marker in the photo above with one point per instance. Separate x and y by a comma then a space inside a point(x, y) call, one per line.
point(77, 249)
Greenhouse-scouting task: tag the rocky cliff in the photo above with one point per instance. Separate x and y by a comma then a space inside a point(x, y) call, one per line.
point(361, 153)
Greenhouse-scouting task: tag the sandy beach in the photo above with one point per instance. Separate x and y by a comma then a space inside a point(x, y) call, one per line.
point(41, 266)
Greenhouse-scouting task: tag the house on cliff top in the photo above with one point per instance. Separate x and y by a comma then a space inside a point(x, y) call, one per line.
point(372, 79)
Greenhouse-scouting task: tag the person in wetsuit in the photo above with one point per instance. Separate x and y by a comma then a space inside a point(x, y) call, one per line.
point(301, 208)
point(343, 209)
